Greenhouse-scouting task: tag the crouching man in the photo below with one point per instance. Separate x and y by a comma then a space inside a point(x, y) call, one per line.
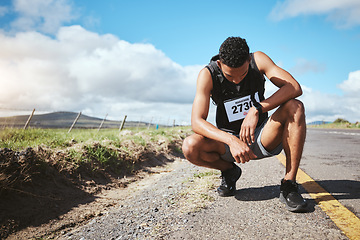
point(234, 80)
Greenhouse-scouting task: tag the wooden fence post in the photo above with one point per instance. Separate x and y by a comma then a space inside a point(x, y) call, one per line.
point(150, 122)
point(102, 123)
point(76, 119)
point(29, 119)
point(122, 123)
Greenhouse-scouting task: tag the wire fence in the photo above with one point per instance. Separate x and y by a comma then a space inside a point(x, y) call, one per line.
point(25, 118)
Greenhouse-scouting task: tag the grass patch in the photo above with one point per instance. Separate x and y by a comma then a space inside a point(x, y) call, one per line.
point(88, 150)
point(337, 124)
point(204, 174)
point(17, 139)
point(199, 192)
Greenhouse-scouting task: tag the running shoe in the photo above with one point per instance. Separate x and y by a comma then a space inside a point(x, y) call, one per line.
point(228, 181)
point(289, 194)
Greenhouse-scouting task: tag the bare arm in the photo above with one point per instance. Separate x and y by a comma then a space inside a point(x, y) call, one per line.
point(200, 109)
point(289, 88)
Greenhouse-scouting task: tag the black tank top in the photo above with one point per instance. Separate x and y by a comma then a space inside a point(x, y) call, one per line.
point(233, 101)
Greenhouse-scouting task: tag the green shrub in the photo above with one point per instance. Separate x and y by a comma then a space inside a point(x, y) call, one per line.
point(341, 121)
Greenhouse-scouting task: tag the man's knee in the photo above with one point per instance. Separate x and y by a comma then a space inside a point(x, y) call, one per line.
point(186, 146)
point(295, 108)
point(295, 105)
point(189, 145)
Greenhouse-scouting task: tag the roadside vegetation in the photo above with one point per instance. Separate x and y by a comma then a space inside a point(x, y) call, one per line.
point(93, 150)
point(199, 191)
point(18, 139)
point(59, 168)
point(339, 123)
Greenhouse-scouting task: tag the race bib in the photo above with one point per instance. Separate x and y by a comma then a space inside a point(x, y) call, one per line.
point(237, 109)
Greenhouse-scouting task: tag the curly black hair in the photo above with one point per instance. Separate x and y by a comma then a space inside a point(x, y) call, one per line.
point(234, 52)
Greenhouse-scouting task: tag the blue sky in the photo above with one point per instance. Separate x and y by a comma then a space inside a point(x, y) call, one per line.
point(141, 58)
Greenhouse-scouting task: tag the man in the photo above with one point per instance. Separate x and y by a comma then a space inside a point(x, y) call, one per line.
point(235, 81)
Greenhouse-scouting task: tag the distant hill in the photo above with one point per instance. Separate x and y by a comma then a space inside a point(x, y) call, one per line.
point(318, 123)
point(61, 120)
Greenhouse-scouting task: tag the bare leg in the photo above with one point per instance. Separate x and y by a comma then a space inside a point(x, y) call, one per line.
point(287, 125)
point(205, 152)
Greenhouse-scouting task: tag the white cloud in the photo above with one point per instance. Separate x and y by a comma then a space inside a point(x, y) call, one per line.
point(321, 106)
point(345, 13)
point(79, 69)
point(46, 16)
point(328, 107)
point(351, 86)
point(162, 113)
point(304, 66)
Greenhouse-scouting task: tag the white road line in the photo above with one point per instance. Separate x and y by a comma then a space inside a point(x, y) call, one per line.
point(343, 133)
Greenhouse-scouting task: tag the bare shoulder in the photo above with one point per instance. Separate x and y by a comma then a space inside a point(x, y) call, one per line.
point(276, 74)
point(204, 81)
point(202, 96)
point(263, 61)
point(205, 74)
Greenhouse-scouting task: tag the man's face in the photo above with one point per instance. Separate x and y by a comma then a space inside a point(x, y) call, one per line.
point(235, 75)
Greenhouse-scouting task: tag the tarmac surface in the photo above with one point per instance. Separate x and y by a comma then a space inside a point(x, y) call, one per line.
point(155, 208)
point(332, 158)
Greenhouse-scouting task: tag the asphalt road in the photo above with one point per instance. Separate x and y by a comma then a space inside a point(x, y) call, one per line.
point(331, 157)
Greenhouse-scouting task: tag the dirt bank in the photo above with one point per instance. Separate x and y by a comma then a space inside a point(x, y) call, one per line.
point(43, 193)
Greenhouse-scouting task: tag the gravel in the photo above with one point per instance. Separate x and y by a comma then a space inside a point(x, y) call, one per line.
point(174, 203)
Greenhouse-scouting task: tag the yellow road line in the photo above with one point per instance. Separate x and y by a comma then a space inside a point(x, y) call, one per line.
point(347, 221)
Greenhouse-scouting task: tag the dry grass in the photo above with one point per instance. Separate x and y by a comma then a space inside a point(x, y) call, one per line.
point(199, 192)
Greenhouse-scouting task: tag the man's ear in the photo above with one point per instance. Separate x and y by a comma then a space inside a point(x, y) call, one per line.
point(218, 63)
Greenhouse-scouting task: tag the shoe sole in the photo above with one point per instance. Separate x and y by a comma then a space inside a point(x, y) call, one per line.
point(300, 208)
point(226, 194)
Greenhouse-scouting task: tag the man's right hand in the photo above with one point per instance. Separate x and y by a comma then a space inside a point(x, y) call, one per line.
point(241, 151)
